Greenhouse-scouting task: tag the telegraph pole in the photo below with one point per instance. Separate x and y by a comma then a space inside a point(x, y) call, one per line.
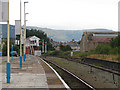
point(25, 31)
point(20, 38)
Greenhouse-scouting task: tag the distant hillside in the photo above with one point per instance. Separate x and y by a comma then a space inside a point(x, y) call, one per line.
point(66, 35)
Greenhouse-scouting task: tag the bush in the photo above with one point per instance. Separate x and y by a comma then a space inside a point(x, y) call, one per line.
point(115, 50)
point(56, 53)
point(103, 49)
point(65, 48)
point(115, 42)
point(83, 55)
point(118, 58)
point(4, 49)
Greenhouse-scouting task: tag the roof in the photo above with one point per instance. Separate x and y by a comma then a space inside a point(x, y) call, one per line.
point(33, 38)
point(106, 35)
point(102, 39)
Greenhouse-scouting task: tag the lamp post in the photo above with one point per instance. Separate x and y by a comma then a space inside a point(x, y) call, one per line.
point(25, 31)
point(20, 39)
point(8, 42)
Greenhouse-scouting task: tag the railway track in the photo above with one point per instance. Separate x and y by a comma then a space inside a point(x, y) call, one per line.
point(72, 80)
point(114, 72)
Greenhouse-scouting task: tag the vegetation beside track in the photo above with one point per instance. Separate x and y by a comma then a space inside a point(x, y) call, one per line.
point(79, 55)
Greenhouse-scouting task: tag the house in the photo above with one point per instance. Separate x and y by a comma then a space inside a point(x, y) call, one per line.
point(90, 40)
point(73, 44)
point(32, 44)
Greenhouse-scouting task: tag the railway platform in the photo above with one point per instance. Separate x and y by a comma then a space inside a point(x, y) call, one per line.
point(35, 73)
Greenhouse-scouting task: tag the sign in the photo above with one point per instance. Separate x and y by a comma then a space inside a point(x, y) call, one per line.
point(17, 42)
point(3, 10)
point(22, 32)
point(17, 27)
point(71, 54)
point(119, 16)
point(0, 11)
point(40, 41)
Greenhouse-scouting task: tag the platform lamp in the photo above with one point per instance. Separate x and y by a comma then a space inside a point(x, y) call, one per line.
point(20, 38)
point(25, 30)
point(8, 43)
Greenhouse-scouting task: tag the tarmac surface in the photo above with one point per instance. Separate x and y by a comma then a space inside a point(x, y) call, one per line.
point(34, 73)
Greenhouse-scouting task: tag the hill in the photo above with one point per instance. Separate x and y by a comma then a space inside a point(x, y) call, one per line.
point(66, 35)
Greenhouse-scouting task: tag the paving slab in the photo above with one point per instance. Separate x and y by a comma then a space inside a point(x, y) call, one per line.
point(31, 75)
point(34, 74)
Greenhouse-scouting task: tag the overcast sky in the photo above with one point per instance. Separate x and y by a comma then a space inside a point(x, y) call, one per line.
point(68, 14)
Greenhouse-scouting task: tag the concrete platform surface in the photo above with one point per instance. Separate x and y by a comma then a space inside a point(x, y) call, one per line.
point(35, 73)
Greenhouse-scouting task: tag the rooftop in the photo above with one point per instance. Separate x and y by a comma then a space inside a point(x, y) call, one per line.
point(102, 39)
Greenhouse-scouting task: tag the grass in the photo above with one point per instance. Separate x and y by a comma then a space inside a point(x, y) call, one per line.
point(105, 57)
point(67, 54)
point(80, 55)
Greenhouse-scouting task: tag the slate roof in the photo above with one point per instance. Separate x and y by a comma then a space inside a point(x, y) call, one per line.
point(102, 39)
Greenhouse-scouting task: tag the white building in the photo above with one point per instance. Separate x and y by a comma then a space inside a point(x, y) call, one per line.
point(32, 41)
point(32, 45)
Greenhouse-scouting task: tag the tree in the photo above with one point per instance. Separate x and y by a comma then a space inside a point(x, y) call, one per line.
point(115, 42)
point(65, 48)
point(4, 49)
point(103, 49)
point(68, 48)
point(62, 47)
point(78, 42)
